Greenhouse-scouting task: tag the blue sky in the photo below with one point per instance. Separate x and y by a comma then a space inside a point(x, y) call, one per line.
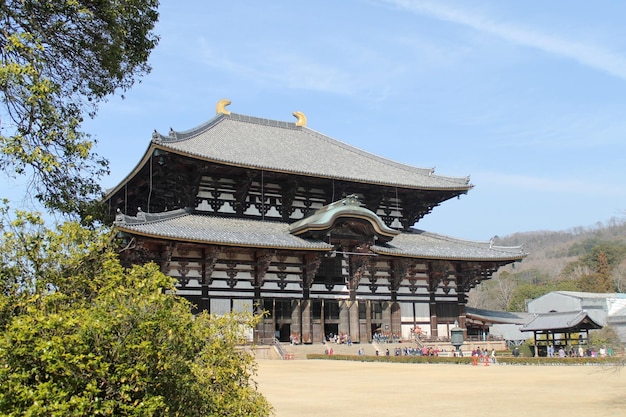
point(525, 97)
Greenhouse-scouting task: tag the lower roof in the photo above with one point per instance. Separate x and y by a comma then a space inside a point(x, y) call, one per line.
point(183, 225)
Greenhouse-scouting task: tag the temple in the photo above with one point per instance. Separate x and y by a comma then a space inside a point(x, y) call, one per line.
point(251, 214)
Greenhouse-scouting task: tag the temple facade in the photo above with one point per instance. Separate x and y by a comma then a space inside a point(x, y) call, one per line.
point(251, 214)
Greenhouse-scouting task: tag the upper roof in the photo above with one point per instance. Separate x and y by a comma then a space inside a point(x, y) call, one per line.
point(251, 142)
point(182, 225)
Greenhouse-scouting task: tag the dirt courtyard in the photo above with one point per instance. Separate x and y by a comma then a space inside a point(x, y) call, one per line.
point(337, 388)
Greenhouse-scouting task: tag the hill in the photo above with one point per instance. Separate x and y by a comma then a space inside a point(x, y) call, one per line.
point(566, 260)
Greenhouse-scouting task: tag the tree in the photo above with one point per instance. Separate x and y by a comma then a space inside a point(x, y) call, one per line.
point(599, 281)
point(505, 287)
point(58, 61)
point(83, 336)
point(619, 277)
point(524, 293)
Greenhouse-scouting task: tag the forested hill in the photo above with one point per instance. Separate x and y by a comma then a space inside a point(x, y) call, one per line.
point(580, 259)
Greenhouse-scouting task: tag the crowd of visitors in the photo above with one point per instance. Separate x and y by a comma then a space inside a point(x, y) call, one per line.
point(580, 352)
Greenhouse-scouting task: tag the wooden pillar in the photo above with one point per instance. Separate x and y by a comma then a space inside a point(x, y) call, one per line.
point(312, 263)
point(296, 320)
point(386, 317)
point(434, 332)
point(307, 322)
point(344, 317)
point(353, 310)
point(396, 319)
point(462, 313)
point(368, 321)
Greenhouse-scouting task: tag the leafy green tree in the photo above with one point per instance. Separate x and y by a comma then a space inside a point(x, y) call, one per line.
point(83, 336)
point(58, 60)
point(599, 281)
point(605, 336)
point(611, 253)
point(524, 293)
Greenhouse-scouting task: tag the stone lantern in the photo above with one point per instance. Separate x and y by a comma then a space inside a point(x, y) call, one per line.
point(456, 337)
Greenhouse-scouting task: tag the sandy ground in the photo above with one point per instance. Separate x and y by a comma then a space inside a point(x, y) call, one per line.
point(337, 388)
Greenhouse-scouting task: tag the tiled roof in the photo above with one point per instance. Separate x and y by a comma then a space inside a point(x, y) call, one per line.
point(184, 226)
point(504, 317)
point(284, 147)
point(561, 321)
point(421, 244)
point(582, 295)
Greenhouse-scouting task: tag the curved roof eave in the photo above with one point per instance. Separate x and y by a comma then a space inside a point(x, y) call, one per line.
point(144, 159)
point(180, 225)
point(419, 244)
point(349, 207)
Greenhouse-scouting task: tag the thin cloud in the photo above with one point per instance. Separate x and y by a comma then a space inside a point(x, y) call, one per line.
point(542, 184)
point(282, 68)
point(591, 55)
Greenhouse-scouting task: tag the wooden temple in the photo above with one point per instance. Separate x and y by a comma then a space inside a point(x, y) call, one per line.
point(251, 214)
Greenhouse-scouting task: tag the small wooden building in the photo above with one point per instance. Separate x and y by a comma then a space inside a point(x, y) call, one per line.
point(250, 214)
point(560, 330)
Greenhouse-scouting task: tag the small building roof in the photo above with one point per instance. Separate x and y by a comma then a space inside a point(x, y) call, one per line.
point(256, 143)
point(500, 317)
point(565, 321)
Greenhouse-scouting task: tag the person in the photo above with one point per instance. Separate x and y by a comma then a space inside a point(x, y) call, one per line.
point(360, 351)
point(516, 352)
point(551, 351)
point(418, 332)
point(493, 356)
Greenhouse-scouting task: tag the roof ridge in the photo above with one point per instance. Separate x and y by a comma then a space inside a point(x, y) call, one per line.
point(488, 244)
point(143, 217)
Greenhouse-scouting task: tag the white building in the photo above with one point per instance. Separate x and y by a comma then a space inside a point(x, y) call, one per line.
point(603, 308)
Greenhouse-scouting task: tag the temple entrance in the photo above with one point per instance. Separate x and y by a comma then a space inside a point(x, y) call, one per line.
point(331, 330)
point(283, 331)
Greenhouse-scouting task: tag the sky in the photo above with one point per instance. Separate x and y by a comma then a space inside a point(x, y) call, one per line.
point(528, 98)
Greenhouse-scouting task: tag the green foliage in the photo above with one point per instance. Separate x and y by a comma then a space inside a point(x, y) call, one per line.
point(583, 247)
point(590, 251)
point(611, 253)
point(526, 358)
point(58, 60)
point(522, 294)
point(605, 336)
point(83, 336)
point(533, 276)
